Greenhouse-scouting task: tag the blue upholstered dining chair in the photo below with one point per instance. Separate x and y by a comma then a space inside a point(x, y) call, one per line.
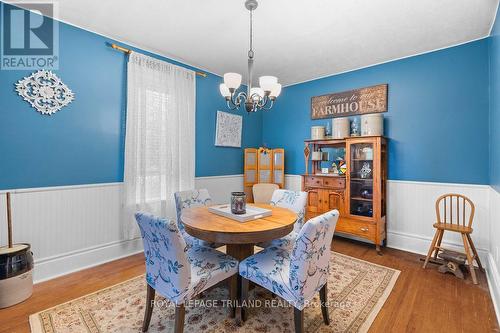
point(296, 202)
point(189, 199)
point(177, 271)
point(296, 274)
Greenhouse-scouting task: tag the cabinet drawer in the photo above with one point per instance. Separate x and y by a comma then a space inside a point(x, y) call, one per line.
point(314, 181)
point(362, 229)
point(334, 183)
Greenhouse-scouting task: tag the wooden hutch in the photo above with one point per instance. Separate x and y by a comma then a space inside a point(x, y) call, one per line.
point(359, 194)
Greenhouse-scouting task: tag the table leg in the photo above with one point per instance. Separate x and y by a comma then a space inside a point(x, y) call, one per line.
point(238, 252)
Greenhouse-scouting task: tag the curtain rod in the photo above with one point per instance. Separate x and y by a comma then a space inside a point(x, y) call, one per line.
point(127, 51)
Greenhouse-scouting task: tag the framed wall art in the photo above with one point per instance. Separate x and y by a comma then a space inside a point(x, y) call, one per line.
point(228, 130)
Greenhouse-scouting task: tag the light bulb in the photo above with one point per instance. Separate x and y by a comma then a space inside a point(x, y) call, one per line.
point(275, 90)
point(232, 80)
point(267, 82)
point(224, 90)
point(256, 93)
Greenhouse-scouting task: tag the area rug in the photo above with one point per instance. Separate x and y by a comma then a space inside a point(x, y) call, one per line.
point(357, 290)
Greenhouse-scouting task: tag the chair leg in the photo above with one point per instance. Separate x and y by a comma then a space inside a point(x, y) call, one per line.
point(180, 312)
point(438, 244)
point(431, 249)
point(298, 318)
point(470, 261)
point(150, 297)
point(233, 290)
point(475, 252)
point(244, 298)
point(324, 305)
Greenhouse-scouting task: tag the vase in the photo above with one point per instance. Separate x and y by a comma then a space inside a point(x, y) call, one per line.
point(238, 203)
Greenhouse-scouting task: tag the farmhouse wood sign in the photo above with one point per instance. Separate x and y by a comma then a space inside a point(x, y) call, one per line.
point(349, 103)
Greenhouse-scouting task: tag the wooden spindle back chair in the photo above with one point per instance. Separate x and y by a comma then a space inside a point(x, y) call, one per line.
point(455, 212)
point(455, 209)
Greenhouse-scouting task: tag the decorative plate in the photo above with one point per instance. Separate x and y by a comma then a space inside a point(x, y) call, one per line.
point(45, 92)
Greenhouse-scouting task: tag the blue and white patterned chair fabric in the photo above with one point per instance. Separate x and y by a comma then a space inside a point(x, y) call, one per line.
point(188, 199)
point(295, 201)
point(177, 271)
point(296, 274)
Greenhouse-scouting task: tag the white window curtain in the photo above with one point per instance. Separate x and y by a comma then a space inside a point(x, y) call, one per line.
point(159, 138)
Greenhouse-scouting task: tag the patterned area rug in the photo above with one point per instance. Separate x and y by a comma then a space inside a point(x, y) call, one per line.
point(357, 290)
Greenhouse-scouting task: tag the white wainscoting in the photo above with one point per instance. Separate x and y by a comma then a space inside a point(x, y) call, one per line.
point(293, 182)
point(75, 227)
point(494, 255)
point(220, 187)
point(411, 213)
point(69, 227)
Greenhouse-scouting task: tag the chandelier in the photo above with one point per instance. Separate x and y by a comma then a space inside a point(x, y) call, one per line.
point(255, 98)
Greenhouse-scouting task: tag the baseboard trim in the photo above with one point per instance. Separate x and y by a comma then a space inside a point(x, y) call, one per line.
point(493, 278)
point(420, 244)
point(63, 264)
point(415, 243)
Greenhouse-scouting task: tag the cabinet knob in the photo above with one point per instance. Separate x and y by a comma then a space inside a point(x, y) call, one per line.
point(364, 229)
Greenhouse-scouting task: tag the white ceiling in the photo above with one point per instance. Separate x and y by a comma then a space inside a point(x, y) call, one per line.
point(294, 40)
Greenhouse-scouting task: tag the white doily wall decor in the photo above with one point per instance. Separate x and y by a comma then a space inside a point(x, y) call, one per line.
point(45, 92)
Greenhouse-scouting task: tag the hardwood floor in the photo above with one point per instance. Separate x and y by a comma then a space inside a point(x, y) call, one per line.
point(421, 301)
point(426, 300)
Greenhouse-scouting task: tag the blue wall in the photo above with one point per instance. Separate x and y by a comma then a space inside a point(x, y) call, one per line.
point(84, 142)
point(495, 105)
point(437, 122)
point(212, 160)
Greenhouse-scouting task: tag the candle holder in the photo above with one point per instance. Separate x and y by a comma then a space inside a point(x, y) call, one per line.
point(238, 203)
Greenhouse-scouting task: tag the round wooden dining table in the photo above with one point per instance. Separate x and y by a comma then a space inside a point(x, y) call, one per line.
point(239, 237)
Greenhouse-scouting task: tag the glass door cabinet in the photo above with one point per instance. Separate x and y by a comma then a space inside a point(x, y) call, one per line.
point(358, 194)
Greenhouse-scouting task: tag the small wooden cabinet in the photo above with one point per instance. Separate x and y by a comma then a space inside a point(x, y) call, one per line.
point(359, 194)
point(321, 200)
